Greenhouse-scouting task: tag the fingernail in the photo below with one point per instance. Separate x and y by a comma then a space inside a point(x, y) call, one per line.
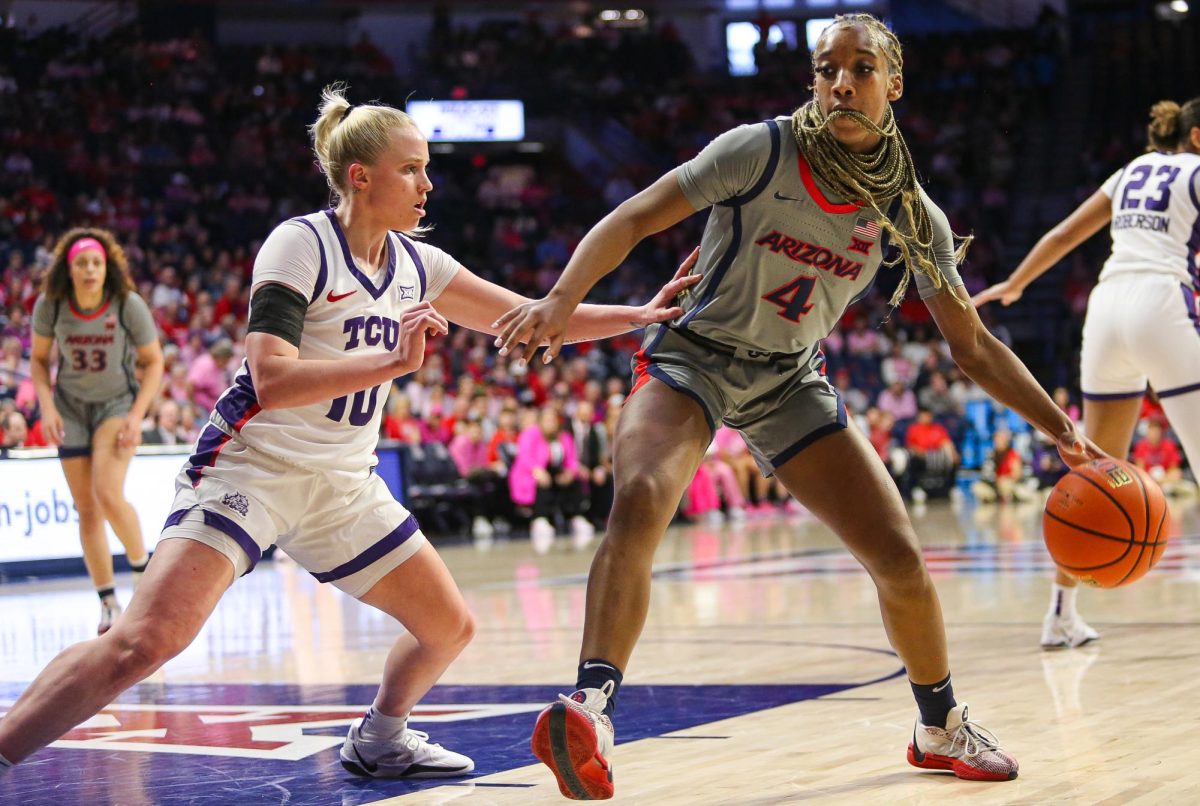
point(495, 324)
point(496, 343)
point(503, 351)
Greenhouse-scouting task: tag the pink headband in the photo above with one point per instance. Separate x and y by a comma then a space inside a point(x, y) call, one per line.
point(83, 244)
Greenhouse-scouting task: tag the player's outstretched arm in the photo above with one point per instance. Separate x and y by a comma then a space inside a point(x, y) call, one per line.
point(475, 303)
point(544, 321)
point(1056, 244)
point(986, 360)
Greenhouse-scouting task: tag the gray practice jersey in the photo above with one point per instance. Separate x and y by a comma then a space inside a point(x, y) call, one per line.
point(96, 348)
point(781, 260)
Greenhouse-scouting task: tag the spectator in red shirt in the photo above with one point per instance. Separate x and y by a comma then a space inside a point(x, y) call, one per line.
point(933, 459)
point(399, 423)
point(1158, 455)
point(1003, 473)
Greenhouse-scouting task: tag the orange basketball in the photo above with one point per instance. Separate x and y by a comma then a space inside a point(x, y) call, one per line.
point(1106, 523)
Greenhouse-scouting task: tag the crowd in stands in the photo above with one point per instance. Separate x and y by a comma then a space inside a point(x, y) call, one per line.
point(191, 158)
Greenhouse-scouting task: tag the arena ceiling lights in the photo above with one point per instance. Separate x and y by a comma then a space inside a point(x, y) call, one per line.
point(621, 18)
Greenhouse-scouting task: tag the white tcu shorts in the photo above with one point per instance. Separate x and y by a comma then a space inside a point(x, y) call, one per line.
point(239, 501)
point(1139, 328)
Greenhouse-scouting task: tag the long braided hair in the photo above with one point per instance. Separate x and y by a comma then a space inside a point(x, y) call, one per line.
point(875, 178)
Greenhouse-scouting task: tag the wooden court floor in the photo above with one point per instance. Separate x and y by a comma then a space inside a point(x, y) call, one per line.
point(763, 677)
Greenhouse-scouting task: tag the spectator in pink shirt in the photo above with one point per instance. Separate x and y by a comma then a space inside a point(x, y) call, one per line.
point(209, 376)
point(544, 476)
point(898, 400)
point(469, 449)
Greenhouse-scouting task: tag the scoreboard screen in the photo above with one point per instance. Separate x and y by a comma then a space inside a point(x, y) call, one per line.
point(469, 121)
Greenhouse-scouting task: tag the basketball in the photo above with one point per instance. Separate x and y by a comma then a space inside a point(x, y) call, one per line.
point(1106, 523)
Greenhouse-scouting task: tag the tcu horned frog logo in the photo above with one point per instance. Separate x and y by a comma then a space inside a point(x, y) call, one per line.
point(237, 502)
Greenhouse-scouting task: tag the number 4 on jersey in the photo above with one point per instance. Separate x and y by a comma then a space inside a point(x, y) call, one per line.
point(793, 297)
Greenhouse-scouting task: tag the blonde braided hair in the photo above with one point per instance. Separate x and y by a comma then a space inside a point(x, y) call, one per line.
point(875, 178)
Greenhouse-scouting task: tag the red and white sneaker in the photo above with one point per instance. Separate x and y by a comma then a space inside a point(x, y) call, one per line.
point(574, 738)
point(968, 750)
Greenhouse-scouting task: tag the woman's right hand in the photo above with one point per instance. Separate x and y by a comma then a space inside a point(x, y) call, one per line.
point(531, 324)
point(1007, 292)
point(52, 427)
point(415, 323)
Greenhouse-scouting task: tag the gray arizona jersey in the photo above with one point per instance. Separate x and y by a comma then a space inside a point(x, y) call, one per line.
point(96, 349)
point(781, 261)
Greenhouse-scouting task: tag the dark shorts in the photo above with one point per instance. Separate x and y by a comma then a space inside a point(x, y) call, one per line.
point(81, 419)
point(780, 404)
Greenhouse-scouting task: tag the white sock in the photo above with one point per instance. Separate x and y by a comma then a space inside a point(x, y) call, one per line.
point(1062, 600)
point(379, 727)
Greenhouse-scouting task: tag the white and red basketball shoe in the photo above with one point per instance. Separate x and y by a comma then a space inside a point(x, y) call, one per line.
point(963, 747)
point(574, 738)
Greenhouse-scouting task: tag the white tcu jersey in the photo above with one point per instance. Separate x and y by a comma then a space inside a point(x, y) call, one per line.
point(1156, 217)
point(348, 313)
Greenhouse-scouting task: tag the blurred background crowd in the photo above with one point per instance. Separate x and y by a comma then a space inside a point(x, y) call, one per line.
point(192, 151)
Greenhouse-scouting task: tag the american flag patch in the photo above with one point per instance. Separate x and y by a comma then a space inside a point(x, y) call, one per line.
point(866, 228)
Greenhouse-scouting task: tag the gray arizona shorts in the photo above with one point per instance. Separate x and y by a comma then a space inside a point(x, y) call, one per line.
point(781, 404)
point(81, 419)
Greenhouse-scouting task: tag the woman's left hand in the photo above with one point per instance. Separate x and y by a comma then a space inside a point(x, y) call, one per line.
point(1076, 449)
point(130, 435)
point(663, 308)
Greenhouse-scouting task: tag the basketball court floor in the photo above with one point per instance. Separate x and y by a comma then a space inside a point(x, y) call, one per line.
point(763, 677)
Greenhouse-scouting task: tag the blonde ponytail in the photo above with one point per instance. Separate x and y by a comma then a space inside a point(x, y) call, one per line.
point(344, 134)
point(1162, 132)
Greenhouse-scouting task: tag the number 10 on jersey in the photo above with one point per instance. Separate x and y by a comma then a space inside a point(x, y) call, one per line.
point(362, 408)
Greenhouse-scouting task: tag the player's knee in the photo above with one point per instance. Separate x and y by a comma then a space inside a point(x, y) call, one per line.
point(110, 499)
point(639, 494)
point(464, 631)
point(89, 512)
point(141, 651)
point(899, 563)
point(453, 634)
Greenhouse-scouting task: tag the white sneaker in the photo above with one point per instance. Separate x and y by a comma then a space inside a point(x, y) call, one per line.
point(541, 535)
point(582, 532)
point(1063, 632)
point(409, 755)
point(481, 528)
point(737, 515)
point(963, 747)
point(574, 738)
point(110, 609)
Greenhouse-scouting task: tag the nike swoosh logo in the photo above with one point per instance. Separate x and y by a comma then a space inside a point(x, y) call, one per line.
point(371, 768)
point(942, 687)
point(332, 297)
point(590, 665)
point(781, 197)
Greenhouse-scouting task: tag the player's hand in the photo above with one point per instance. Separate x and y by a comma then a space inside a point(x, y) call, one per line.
point(130, 433)
point(663, 308)
point(529, 325)
point(415, 324)
point(52, 427)
point(1076, 449)
point(1007, 292)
